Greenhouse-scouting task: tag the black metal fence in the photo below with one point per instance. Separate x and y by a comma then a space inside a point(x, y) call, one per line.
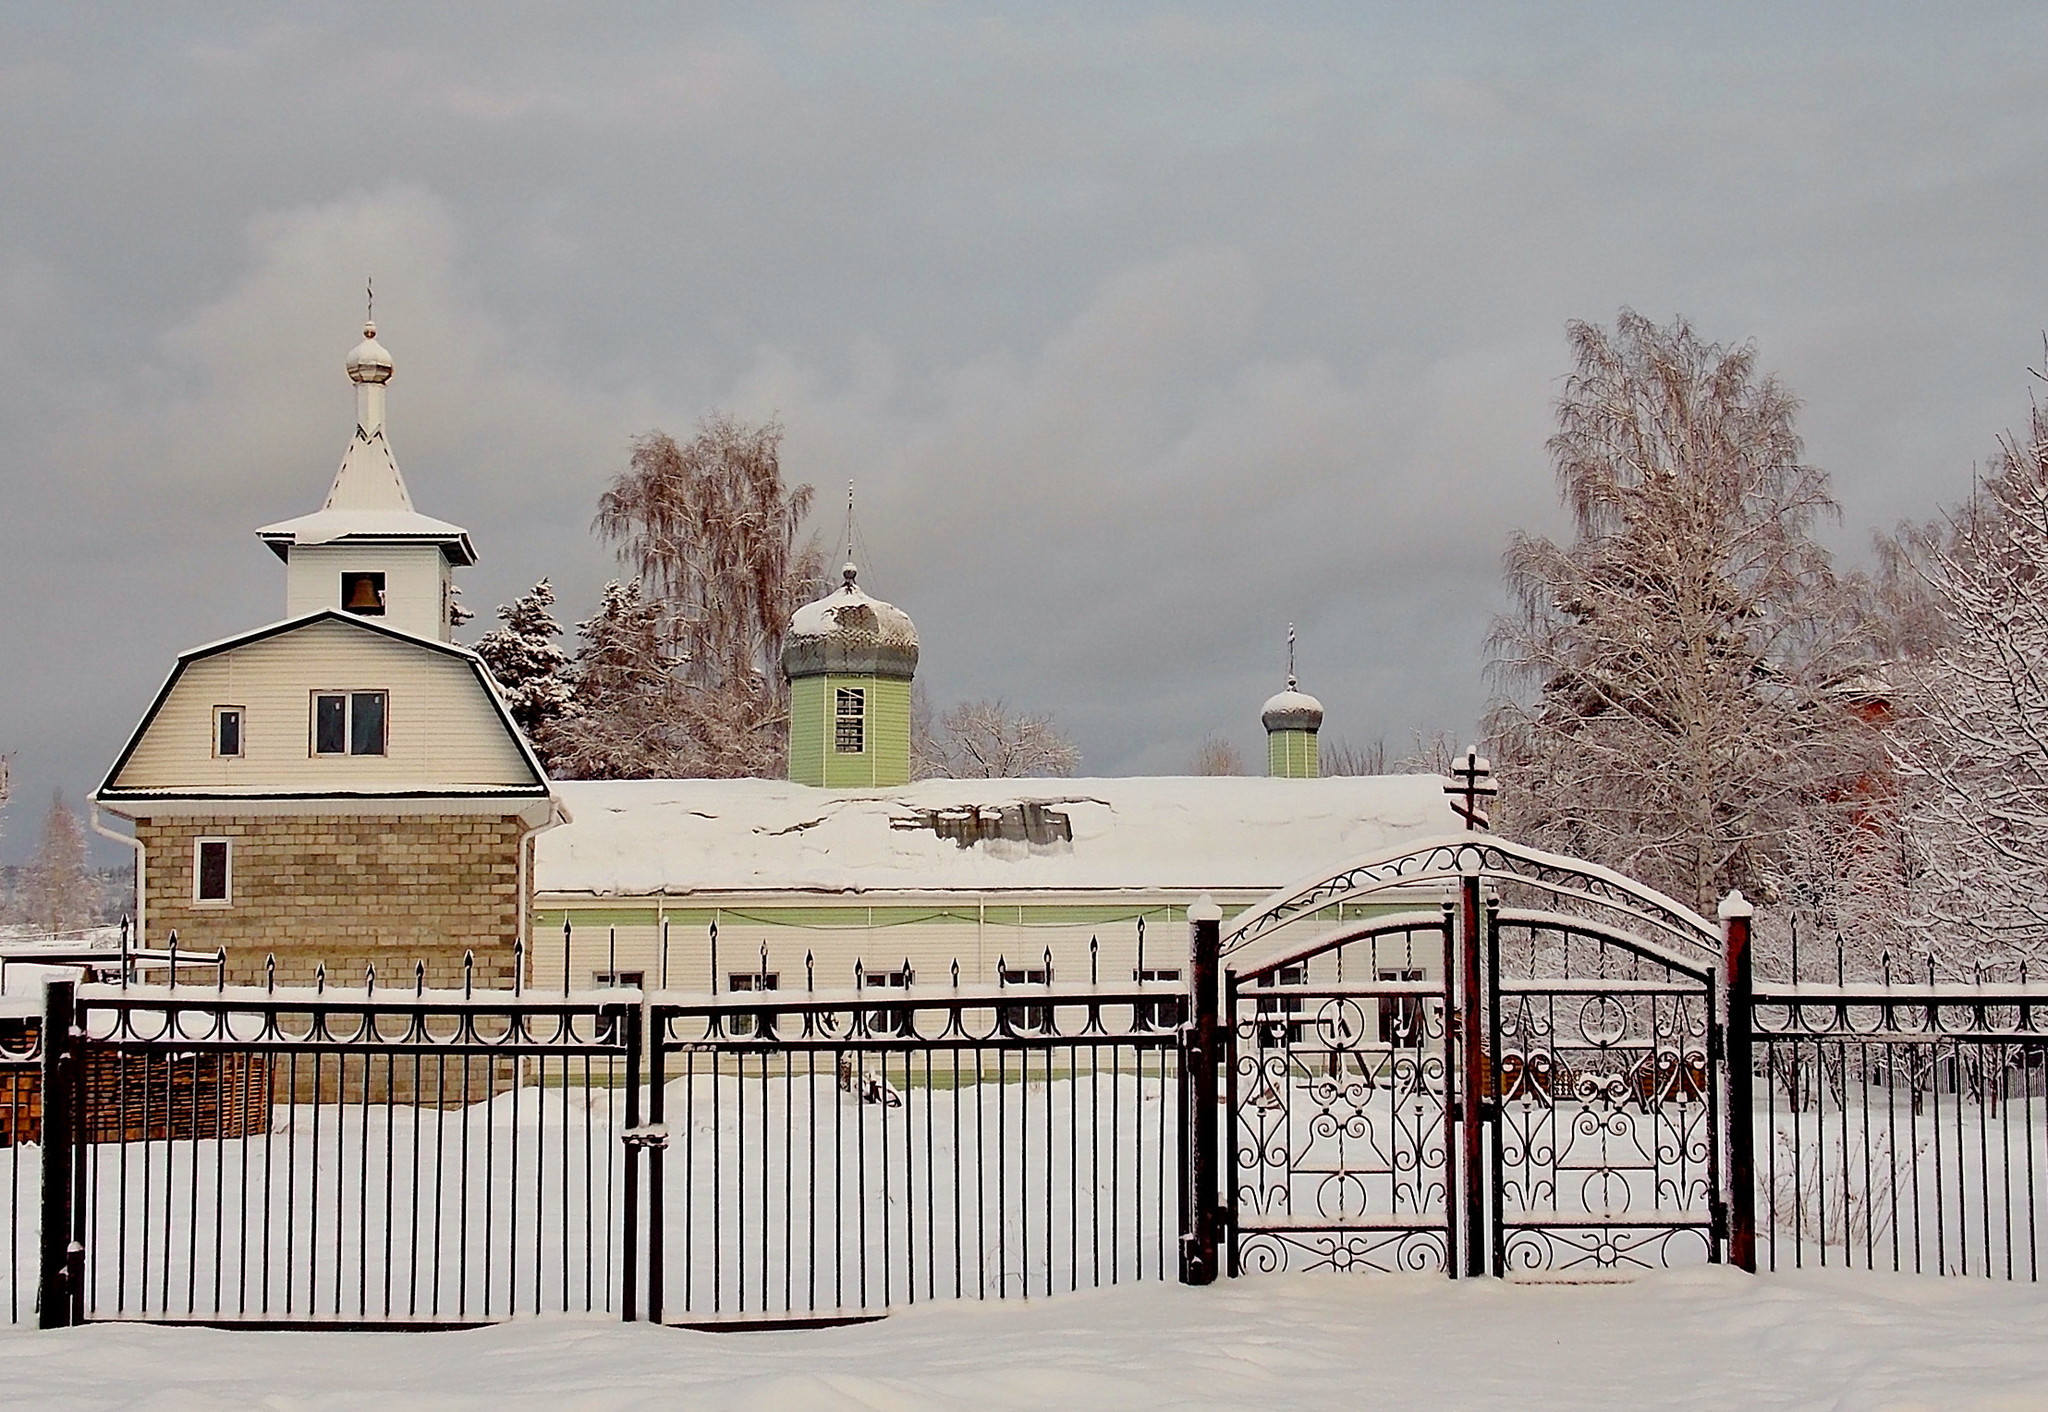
point(1901, 1126)
point(316, 1157)
point(823, 1152)
point(1525, 1083)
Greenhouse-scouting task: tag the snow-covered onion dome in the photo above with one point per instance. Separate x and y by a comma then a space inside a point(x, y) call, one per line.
point(370, 362)
point(848, 632)
point(1292, 710)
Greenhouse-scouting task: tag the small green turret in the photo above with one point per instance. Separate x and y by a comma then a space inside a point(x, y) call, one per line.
point(1292, 720)
point(849, 659)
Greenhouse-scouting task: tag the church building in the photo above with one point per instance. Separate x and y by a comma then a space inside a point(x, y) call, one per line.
point(343, 787)
point(852, 873)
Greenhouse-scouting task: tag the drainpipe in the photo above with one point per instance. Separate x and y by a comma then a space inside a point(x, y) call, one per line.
point(141, 866)
point(557, 816)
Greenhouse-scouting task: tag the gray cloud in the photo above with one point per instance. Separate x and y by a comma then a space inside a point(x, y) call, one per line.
point(1144, 330)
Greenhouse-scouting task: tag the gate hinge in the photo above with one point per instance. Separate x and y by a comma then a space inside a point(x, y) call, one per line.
point(646, 1135)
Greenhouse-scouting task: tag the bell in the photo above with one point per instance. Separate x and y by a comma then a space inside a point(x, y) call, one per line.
point(363, 596)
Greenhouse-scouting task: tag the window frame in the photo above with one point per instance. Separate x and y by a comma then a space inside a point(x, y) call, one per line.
point(348, 697)
point(227, 870)
point(241, 715)
point(856, 719)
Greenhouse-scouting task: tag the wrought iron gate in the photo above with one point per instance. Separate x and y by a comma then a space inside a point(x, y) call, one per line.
point(1480, 1088)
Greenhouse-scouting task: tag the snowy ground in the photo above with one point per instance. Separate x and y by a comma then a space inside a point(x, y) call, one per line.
point(1701, 1338)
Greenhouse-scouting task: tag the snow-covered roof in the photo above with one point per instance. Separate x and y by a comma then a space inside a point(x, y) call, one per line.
point(641, 837)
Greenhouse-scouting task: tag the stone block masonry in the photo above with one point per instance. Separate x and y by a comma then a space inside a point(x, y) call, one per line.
point(392, 890)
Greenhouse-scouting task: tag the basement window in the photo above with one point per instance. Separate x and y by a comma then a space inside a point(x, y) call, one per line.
point(212, 871)
point(350, 722)
point(850, 721)
point(363, 594)
point(227, 731)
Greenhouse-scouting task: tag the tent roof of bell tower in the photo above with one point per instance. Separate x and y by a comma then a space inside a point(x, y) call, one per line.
point(368, 501)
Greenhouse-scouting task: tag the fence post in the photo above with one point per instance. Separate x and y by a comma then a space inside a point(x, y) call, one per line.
point(1473, 1063)
point(1740, 1118)
point(629, 1255)
point(60, 1297)
point(1202, 1206)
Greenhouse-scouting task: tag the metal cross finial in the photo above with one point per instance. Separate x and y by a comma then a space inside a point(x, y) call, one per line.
point(1292, 681)
point(369, 299)
point(1472, 781)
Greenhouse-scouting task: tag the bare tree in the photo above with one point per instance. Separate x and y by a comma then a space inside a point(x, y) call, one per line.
point(1216, 756)
point(712, 536)
point(59, 894)
point(528, 663)
point(1341, 757)
point(1971, 740)
point(1672, 680)
point(1434, 753)
point(987, 740)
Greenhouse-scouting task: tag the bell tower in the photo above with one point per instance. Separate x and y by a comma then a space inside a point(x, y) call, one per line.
point(366, 550)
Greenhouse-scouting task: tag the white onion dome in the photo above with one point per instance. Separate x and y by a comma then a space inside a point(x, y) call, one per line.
point(1292, 710)
point(370, 362)
point(847, 631)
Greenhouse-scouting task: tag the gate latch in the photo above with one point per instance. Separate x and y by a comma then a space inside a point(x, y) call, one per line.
point(646, 1135)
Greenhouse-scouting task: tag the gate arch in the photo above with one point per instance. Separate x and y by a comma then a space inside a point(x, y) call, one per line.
point(1474, 1086)
point(1448, 859)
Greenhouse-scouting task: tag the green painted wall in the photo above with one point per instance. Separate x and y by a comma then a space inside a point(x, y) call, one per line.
point(547, 921)
point(813, 760)
point(1292, 755)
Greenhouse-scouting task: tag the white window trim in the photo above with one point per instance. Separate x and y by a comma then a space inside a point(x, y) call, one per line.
point(243, 712)
point(859, 718)
point(348, 722)
point(228, 845)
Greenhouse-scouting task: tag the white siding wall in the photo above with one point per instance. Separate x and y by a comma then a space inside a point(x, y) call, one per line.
point(413, 578)
point(443, 730)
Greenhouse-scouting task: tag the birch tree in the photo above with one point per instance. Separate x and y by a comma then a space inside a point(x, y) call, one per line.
point(987, 740)
point(1672, 680)
point(1971, 743)
point(714, 539)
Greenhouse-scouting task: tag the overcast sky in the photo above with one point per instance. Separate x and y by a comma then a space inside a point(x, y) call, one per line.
point(1144, 330)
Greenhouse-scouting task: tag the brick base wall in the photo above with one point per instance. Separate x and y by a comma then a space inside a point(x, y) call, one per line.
point(347, 890)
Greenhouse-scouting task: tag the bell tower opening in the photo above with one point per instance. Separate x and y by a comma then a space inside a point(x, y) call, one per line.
point(363, 594)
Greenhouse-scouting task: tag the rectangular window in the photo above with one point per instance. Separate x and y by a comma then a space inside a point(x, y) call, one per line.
point(350, 722)
point(1274, 1036)
point(1158, 1014)
point(363, 594)
point(227, 731)
point(1027, 1018)
point(366, 723)
point(886, 1022)
point(613, 980)
point(330, 724)
point(212, 871)
point(749, 983)
point(850, 722)
point(1401, 1015)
